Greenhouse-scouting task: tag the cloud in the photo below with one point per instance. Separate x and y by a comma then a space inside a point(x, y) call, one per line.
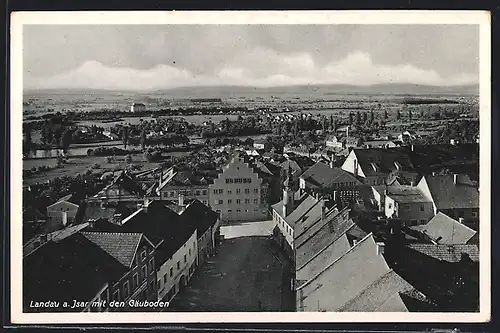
point(260, 67)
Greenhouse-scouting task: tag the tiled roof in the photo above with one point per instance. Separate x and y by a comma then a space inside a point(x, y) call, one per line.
point(445, 230)
point(378, 293)
point(162, 226)
point(344, 279)
point(72, 268)
point(384, 160)
point(121, 246)
point(305, 204)
point(322, 175)
point(449, 253)
point(327, 235)
point(334, 216)
point(406, 194)
point(448, 195)
point(95, 211)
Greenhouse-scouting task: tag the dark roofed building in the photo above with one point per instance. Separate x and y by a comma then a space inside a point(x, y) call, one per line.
point(123, 188)
point(454, 195)
point(207, 224)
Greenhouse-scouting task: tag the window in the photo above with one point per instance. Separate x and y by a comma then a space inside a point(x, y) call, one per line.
point(136, 281)
point(247, 191)
point(171, 271)
point(165, 278)
point(229, 191)
point(144, 272)
point(150, 266)
point(256, 201)
point(256, 190)
point(389, 205)
point(116, 295)
point(229, 211)
point(185, 259)
point(126, 290)
point(422, 208)
point(238, 201)
point(422, 221)
point(413, 222)
point(205, 202)
point(190, 252)
point(178, 265)
point(474, 214)
point(215, 191)
point(221, 202)
point(197, 192)
point(247, 201)
point(238, 211)
point(229, 201)
point(238, 191)
point(143, 255)
point(204, 192)
point(229, 180)
point(188, 192)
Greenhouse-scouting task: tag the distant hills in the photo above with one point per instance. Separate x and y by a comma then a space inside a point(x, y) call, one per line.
point(331, 89)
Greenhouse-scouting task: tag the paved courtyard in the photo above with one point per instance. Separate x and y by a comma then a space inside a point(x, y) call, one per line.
point(245, 275)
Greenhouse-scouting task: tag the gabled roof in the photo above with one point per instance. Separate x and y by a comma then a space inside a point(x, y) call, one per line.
point(323, 176)
point(72, 268)
point(449, 253)
point(121, 246)
point(66, 199)
point(304, 204)
point(384, 160)
point(162, 226)
point(448, 195)
point(345, 278)
point(199, 215)
point(95, 211)
point(125, 181)
point(333, 216)
point(406, 194)
point(445, 230)
point(327, 235)
point(380, 291)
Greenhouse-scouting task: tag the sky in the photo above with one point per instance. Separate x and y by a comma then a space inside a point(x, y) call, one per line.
point(152, 57)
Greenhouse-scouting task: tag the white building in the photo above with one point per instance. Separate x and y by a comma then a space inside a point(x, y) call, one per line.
point(239, 193)
point(138, 107)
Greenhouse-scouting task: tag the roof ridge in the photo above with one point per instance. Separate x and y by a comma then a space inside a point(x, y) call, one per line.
point(326, 246)
point(334, 262)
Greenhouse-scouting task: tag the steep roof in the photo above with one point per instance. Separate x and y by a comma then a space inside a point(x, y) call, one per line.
point(72, 268)
point(162, 226)
point(449, 253)
point(322, 175)
point(406, 194)
point(121, 246)
point(328, 234)
point(95, 211)
point(333, 216)
point(199, 215)
point(448, 195)
point(382, 294)
point(304, 205)
point(380, 161)
point(445, 230)
point(345, 278)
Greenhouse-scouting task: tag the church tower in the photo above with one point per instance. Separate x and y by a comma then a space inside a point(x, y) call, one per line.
point(289, 189)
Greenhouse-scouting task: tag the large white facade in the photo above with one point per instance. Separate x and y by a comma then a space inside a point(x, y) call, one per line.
point(238, 194)
point(176, 272)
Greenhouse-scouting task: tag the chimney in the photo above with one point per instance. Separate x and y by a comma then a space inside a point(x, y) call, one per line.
point(355, 168)
point(181, 200)
point(461, 220)
point(412, 148)
point(91, 223)
point(455, 178)
point(335, 196)
point(64, 218)
point(380, 248)
point(331, 161)
point(347, 131)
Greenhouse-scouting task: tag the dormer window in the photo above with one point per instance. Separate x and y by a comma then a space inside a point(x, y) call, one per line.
point(374, 166)
point(398, 166)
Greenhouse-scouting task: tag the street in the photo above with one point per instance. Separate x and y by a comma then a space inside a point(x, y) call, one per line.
point(245, 275)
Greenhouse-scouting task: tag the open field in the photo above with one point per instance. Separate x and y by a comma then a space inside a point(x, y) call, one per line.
point(77, 165)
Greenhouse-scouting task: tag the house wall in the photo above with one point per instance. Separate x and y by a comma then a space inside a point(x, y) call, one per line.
point(56, 212)
point(139, 283)
point(410, 213)
point(170, 276)
point(204, 246)
point(285, 229)
point(172, 193)
point(236, 200)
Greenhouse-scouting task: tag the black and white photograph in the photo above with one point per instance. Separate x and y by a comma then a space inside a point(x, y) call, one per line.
point(177, 166)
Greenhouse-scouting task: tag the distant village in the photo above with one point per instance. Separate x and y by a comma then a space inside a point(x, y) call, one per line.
point(368, 223)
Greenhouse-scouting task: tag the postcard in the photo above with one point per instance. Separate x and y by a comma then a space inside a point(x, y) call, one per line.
point(243, 166)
